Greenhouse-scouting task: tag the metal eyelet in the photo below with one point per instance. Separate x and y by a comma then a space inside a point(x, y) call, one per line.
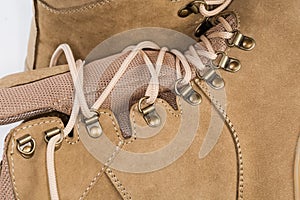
point(212, 78)
point(93, 126)
point(26, 146)
point(188, 93)
point(53, 132)
point(241, 41)
point(192, 7)
point(227, 63)
point(149, 113)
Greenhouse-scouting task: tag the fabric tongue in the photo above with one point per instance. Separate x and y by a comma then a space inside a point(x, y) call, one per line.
point(56, 93)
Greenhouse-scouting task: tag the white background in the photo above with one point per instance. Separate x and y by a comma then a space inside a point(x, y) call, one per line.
point(15, 19)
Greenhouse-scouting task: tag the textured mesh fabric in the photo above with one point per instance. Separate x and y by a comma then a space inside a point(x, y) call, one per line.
point(56, 93)
point(6, 187)
point(218, 43)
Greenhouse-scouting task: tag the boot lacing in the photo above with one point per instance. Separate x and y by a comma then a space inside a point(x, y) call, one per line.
point(222, 5)
point(79, 103)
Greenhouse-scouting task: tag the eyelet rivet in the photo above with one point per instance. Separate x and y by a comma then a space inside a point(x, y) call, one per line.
point(192, 7)
point(227, 63)
point(150, 115)
point(26, 146)
point(184, 12)
point(53, 132)
point(241, 41)
point(211, 77)
point(188, 93)
point(93, 126)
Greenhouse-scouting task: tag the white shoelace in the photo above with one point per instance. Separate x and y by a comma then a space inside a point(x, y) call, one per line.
point(222, 4)
point(195, 51)
point(79, 103)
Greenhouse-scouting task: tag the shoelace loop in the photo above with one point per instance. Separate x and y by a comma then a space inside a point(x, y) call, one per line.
point(79, 103)
point(206, 8)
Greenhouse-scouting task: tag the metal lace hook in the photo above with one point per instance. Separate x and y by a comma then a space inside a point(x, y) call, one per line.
point(190, 8)
point(211, 77)
point(188, 93)
point(149, 113)
point(241, 41)
point(227, 63)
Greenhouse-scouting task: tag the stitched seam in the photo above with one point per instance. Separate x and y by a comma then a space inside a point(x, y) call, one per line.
point(13, 144)
point(110, 159)
point(78, 137)
point(117, 130)
point(117, 183)
point(120, 145)
point(100, 173)
point(76, 9)
point(167, 106)
point(236, 141)
point(114, 124)
point(134, 126)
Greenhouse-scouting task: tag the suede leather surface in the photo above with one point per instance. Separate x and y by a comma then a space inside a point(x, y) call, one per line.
point(189, 177)
point(75, 167)
point(263, 103)
point(75, 171)
point(74, 23)
point(67, 4)
point(263, 98)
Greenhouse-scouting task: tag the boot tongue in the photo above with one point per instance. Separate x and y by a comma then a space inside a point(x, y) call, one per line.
point(132, 86)
point(219, 44)
point(56, 92)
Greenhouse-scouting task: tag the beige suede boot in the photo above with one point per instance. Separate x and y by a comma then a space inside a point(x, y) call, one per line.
point(169, 160)
point(86, 23)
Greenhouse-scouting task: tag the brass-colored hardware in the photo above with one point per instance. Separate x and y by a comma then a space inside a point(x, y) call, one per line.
point(184, 12)
point(227, 63)
point(53, 132)
point(149, 113)
point(213, 79)
point(93, 126)
point(26, 146)
point(241, 41)
point(207, 22)
point(188, 93)
point(194, 7)
point(190, 8)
